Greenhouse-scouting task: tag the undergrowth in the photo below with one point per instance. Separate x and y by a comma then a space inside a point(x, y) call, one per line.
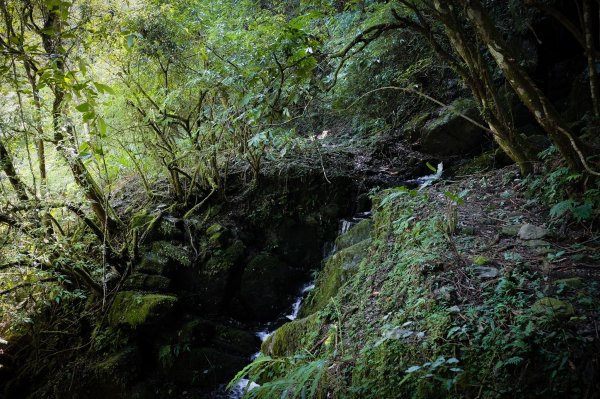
point(416, 320)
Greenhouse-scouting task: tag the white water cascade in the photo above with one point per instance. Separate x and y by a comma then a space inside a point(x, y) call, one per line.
point(244, 385)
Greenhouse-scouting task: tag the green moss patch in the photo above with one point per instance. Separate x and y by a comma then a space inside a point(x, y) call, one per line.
point(339, 268)
point(132, 309)
point(290, 338)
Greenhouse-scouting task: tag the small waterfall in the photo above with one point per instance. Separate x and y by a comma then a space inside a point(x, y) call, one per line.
point(238, 391)
point(345, 225)
point(296, 305)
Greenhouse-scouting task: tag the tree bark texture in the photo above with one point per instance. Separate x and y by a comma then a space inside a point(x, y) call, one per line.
point(544, 112)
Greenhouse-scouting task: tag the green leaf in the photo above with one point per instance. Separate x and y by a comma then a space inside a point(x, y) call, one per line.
point(102, 88)
point(130, 41)
point(431, 167)
point(562, 207)
point(83, 66)
point(456, 198)
point(101, 124)
point(245, 100)
point(583, 212)
point(89, 116)
point(84, 107)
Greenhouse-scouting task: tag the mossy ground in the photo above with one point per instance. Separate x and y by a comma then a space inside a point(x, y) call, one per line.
point(418, 319)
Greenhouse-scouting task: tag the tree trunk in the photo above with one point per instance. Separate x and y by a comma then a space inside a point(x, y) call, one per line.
point(8, 168)
point(544, 112)
point(39, 143)
point(52, 43)
point(590, 47)
point(476, 75)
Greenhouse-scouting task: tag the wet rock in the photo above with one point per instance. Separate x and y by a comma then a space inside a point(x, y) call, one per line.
point(204, 367)
point(295, 244)
point(531, 232)
point(235, 341)
point(197, 332)
point(132, 309)
point(359, 232)
point(552, 307)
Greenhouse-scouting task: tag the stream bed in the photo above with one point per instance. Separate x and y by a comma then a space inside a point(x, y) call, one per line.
point(266, 330)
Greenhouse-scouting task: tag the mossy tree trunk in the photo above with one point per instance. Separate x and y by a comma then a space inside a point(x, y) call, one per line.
point(7, 166)
point(51, 36)
point(544, 112)
point(473, 69)
point(590, 51)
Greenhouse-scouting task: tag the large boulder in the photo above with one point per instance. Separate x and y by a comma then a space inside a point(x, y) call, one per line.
point(208, 285)
point(446, 132)
point(265, 287)
point(132, 309)
point(290, 338)
point(147, 282)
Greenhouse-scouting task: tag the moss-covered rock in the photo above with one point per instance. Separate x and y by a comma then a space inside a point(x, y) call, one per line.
point(292, 337)
point(153, 263)
point(222, 260)
point(359, 232)
point(235, 341)
point(447, 133)
point(295, 243)
point(131, 308)
point(114, 366)
point(553, 308)
point(147, 282)
point(176, 255)
point(210, 283)
point(196, 332)
point(218, 235)
point(338, 269)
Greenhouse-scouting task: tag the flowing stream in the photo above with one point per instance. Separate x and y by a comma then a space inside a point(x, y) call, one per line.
point(345, 225)
point(264, 333)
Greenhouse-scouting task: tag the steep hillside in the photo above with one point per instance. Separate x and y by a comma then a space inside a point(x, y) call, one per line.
point(464, 289)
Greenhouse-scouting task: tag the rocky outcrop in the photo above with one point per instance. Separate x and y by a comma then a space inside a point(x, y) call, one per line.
point(445, 132)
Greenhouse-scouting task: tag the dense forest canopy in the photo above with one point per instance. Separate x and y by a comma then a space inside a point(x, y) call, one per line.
point(115, 115)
